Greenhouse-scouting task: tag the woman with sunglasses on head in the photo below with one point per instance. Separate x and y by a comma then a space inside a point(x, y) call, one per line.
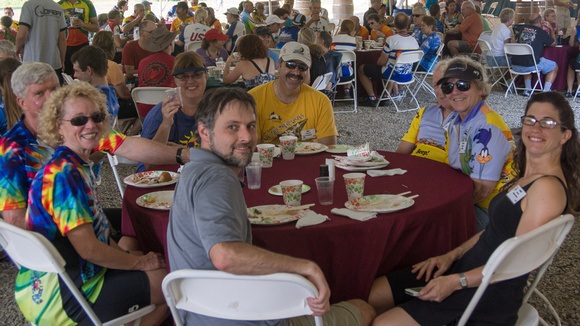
point(64, 207)
point(545, 184)
point(172, 121)
point(451, 17)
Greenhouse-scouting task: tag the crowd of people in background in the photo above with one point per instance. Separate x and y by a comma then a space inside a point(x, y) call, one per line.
point(50, 134)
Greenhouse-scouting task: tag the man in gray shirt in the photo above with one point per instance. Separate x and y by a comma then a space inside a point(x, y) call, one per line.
point(42, 33)
point(208, 224)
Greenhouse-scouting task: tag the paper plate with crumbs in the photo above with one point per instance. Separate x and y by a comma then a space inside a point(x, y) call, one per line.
point(338, 148)
point(306, 148)
point(161, 200)
point(379, 203)
point(274, 214)
point(151, 179)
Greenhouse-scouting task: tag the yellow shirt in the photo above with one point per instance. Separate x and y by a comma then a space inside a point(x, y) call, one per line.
point(309, 118)
point(178, 25)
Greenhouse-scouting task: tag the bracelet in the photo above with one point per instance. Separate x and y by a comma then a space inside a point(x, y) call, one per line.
point(178, 156)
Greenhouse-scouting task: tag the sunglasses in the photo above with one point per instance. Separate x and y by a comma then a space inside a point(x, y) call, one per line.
point(292, 65)
point(463, 86)
point(546, 123)
point(82, 119)
point(416, 15)
point(194, 76)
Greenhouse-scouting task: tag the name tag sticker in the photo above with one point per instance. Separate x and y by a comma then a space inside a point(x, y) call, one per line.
point(516, 194)
point(79, 10)
point(462, 147)
point(308, 134)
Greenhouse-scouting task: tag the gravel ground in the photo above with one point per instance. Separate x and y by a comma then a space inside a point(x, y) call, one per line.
point(383, 127)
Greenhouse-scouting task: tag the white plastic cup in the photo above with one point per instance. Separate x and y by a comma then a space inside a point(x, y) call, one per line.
point(254, 175)
point(325, 187)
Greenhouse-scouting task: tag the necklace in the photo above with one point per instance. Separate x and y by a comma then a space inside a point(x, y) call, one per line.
point(214, 55)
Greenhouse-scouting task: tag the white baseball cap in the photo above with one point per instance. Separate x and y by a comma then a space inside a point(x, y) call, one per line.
point(295, 51)
point(273, 19)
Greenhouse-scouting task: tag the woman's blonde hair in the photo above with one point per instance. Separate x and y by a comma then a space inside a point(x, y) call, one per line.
point(306, 36)
point(53, 110)
point(200, 16)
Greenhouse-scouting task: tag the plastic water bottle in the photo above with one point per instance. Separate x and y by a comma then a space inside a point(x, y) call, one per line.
point(560, 35)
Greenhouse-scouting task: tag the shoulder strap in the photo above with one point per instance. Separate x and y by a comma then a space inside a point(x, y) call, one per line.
point(255, 65)
point(267, 64)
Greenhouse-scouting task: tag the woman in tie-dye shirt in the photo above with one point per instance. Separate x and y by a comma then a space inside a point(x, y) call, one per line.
point(64, 207)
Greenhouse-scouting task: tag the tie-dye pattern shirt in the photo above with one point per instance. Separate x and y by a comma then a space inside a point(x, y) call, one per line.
point(62, 197)
point(21, 157)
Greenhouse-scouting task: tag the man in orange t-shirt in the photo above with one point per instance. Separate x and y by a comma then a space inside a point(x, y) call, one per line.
point(470, 29)
point(379, 29)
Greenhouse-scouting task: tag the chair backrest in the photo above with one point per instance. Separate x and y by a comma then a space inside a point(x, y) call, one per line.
point(193, 46)
point(33, 251)
point(347, 56)
point(67, 78)
point(321, 81)
point(519, 49)
point(238, 297)
point(520, 255)
point(331, 27)
point(492, 8)
point(484, 45)
point(409, 57)
point(149, 96)
point(441, 36)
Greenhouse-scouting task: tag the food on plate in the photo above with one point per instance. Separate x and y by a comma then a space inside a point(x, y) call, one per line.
point(164, 177)
point(149, 199)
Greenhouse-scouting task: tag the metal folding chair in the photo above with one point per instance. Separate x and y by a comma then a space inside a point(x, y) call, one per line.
point(496, 70)
point(421, 76)
point(521, 49)
point(410, 57)
point(193, 46)
point(348, 57)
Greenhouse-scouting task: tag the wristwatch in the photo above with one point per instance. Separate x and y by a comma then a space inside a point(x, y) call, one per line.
point(463, 281)
point(178, 156)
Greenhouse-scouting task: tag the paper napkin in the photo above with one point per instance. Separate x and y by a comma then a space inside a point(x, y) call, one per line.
point(311, 218)
point(390, 172)
point(359, 216)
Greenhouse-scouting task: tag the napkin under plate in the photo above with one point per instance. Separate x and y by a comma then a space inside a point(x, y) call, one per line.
point(359, 216)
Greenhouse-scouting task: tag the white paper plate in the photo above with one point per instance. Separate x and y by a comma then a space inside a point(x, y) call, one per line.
point(149, 179)
point(379, 203)
point(161, 200)
point(355, 161)
point(277, 190)
point(348, 167)
point(306, 148)
point(258, 215)
point(338, 148)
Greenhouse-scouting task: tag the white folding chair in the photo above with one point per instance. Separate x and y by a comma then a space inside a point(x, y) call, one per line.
point(484, 36)
point(193, 46)
point(518, 256)
point(321, 81)
point(491, 9)
point(521, 49)
point(148, 95)
point(421, 76)
point(238, 297)
point(331, 28)
point(348, 57)
point(410, 57)
point(67, 78)
point(33, 251)
point(114, 161)
point(441, 36)
point(496, 71)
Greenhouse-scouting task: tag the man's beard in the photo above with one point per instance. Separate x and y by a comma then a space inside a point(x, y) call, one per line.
point(229, 158)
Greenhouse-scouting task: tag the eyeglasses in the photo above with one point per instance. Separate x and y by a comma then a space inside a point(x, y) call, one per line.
point(545, 123)
point(417, 15)
point(292, 65)
point(82, 119)
point(194, 76)
point(463, 86)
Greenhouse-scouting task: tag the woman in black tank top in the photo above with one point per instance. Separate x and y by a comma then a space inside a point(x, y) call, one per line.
point(546, 184)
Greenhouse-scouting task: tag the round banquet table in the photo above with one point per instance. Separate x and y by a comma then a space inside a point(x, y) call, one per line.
point(350, 253)
point(561, 55)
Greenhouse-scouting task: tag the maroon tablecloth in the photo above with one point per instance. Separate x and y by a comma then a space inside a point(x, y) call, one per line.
point(350, 253)
point(561, 55)
point(363, 58)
